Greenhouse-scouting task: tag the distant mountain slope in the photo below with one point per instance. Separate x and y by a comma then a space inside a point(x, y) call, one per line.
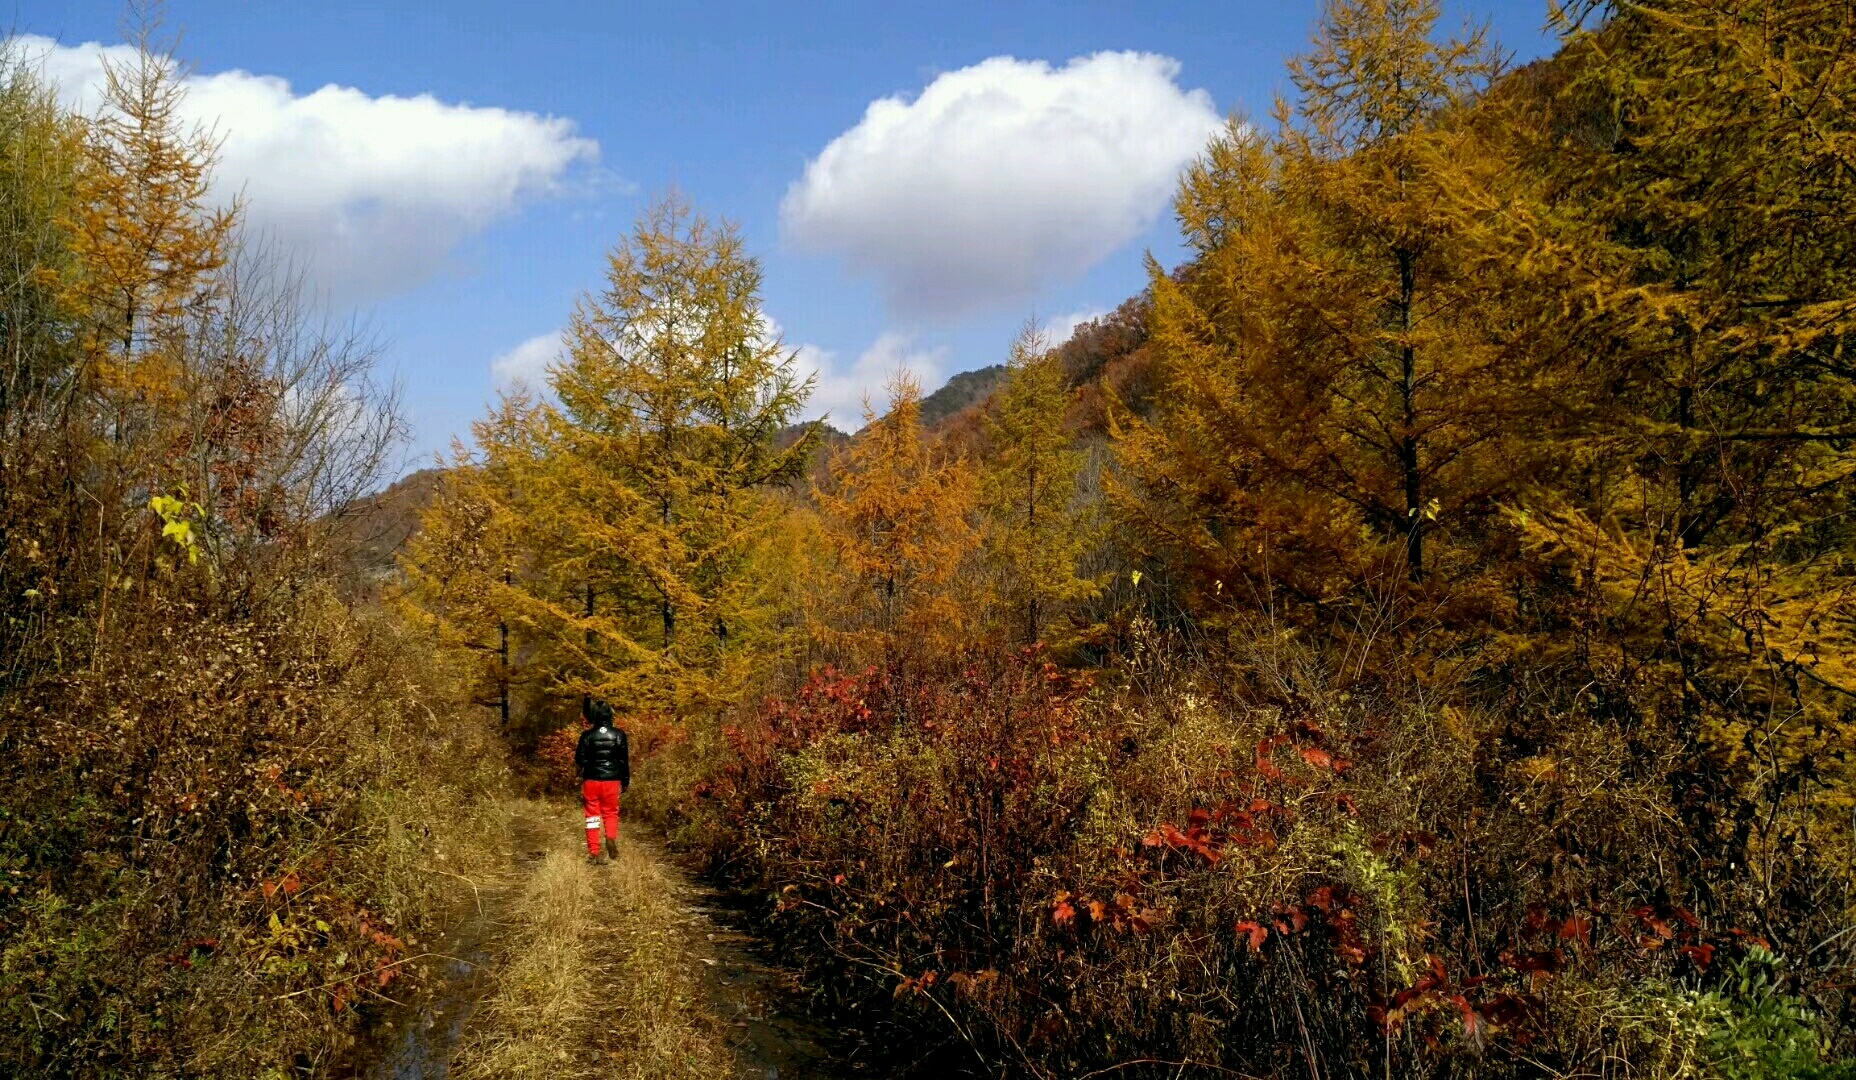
point(372, 530)
point(960, 392)
point(1104, 360)
point(1108, 359)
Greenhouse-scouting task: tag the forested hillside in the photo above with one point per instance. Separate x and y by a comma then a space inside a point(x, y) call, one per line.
point(1414, 638)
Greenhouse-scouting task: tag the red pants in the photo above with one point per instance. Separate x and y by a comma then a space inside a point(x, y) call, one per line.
point(602, 805)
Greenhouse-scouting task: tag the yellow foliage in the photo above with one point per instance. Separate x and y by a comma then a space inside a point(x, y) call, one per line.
point(1034, 532)
point(1354, 360)
point(899, 513)
point(641, 507)
point(141, 231)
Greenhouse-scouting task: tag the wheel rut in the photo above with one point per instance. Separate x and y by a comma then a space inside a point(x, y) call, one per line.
point(761, 1003)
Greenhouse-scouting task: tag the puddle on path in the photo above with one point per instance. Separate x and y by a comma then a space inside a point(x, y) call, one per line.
point(418, 1041)
point(419, 1045)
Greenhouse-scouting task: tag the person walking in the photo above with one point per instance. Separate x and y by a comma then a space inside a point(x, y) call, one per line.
point(604, 761)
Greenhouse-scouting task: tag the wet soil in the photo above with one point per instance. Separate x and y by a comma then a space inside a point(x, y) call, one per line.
point(417, 1044)
point(761, 1002)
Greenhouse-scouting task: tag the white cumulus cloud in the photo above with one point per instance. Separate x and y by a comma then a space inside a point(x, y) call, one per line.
point(526, 365)
point(842, 389)
point(371, 194)
point(1063, 327)
point(1000, 178)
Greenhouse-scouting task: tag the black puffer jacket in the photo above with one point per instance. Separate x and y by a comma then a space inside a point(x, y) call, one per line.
point(604, 754)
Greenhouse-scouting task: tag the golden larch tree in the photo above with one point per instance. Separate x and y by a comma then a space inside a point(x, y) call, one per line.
point(148, 241)
point(1354, 354)
point(1034, 532)
point(651, 474)
point(899, 513)
point(458, 570)
point(1703, 151)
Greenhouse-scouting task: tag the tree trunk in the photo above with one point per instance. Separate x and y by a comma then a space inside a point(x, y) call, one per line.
point(502, 650)
point(1408, 443)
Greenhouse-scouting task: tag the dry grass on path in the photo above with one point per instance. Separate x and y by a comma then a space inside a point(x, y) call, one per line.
point(593, 978)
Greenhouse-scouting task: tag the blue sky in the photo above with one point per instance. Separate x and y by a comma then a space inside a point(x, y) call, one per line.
point(469, 163)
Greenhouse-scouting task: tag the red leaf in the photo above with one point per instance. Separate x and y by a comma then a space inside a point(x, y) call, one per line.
point(290, 884)
point(1472, 1020)
point(1062, 914)
point(1437, 972)
point(1577, 928)
point(1317, 757)
point(1547, 961)
point(1168, 835)
point(270, 889)
point(1508, 1009)
point(1257, 934)
point(1265, 767)
point(837, 879)
point(1297, 919)
point(1703, 955)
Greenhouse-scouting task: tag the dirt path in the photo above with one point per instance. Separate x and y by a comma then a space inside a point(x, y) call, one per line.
point(760, 1002)
point(630, 969)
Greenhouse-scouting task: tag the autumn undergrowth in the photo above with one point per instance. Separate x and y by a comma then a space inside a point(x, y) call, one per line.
point(241, 894)
point(1177, 867)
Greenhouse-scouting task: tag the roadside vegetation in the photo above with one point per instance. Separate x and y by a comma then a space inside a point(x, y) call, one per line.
point(233, 801)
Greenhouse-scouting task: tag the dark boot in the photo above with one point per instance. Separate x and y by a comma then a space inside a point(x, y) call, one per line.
point(612, 847)
point(597, 860)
